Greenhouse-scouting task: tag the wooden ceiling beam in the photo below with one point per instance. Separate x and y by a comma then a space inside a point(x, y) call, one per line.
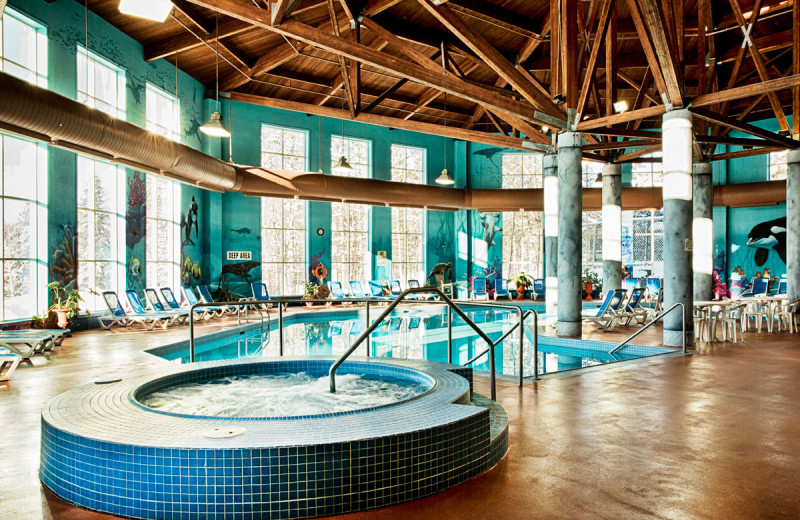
point(624, 132)
point(744, 153)
point(637, 86)
point(641, 97)
point(624, 117)
point(741, 126)
point(281, 9)
point(611, 69)
point(770, 7)
point(490, 55)
point(638, 153)
point(276, 57)
point(390, 122)
point(616, 145)
point(647, 46)
point(347, 86)
point(589, 74)
point(664, 49)
point(753, 89)
point(796, 69)
point(569, 51)
point(732, 141)
point(494, 15)
point(186, 41)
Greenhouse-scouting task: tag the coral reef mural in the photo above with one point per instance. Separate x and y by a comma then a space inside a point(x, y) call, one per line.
point(188, 221)
point(63, 264)
point(135, 277)
point(135, 216)
point(190, 271)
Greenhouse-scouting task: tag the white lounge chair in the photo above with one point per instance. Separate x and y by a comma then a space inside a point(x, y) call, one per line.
point(116, 315)
point(606, 316)
point(9, 362)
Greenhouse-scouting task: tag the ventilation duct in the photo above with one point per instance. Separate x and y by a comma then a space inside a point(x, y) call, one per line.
point(40, 114)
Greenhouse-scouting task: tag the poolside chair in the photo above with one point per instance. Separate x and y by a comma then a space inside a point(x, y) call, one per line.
point(57, 335)
point(479, 289)
point(783, 286)
point(633, 309)
point(155, 302)
point(202, 313)
point(395, 288)
point(337, 292)
point(205, 296)
point(376, 289)
point(9, 362)
point(501, 289)
point(336, 329)
point(446, 288)
point(606, 316)
point(176, 315)
point(656, 305)
point(357, 290)
point(26, 345)
point(395, 324)
point(785, 314)
point(260, 292)
point(414, 284)
point(169, 298)
point(539, 288)
point(116, 315)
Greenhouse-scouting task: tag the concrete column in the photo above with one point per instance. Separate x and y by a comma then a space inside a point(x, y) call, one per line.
point(677, 145)
point(793, 226)
point(702, 231)
point(612, 226)
point(550, 181)
point(570, 206)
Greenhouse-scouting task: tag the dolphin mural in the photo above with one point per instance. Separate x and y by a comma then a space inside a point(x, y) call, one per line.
point(489, 221)
point(770, 235)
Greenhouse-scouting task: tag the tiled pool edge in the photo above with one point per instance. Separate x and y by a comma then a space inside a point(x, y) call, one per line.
point(175, 482)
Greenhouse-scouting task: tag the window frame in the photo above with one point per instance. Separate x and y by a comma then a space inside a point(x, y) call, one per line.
point(120, 105)
point(516, 231)
point(41, 43)
point(402, 268)
point(174, 223)
point(173, 133)
point(783, 157)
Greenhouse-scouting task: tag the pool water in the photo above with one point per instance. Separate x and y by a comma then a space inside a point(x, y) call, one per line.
point(281, 395)
point(413, 333)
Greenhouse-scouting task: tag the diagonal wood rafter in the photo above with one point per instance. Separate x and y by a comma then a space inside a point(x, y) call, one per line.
point(647, 46)
point(347, 87)
point(589, 74)
point(190, 12)
point(275, 58)
point(490, 55)
point(747, 128)
point(758, 60)
point(664, 49)
point(281, 9)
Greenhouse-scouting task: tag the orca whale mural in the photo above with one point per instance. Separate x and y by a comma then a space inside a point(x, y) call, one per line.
point(768, 236)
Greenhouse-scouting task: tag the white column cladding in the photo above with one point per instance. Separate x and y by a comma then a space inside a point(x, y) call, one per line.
point(612, 226)
point(677, 191)
point(550, 181)
point(793, 225)
point(570, 230)
point(702, 231)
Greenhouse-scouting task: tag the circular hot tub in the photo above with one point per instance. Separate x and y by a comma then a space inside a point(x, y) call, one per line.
point(104, 448)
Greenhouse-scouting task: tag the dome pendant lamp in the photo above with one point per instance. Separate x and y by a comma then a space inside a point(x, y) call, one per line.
point(214, 127)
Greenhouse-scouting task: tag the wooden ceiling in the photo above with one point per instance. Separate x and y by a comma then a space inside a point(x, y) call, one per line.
point(488, 71)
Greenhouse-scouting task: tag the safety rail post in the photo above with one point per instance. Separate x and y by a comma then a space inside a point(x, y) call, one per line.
point(366, 314)
point(449, 335)
point(683, 321)
point(280, 329)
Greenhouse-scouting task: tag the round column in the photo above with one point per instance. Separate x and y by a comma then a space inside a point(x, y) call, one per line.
point(612, 226)
point(570, 207)
point(550, 181)
point(702, 231)
point(677, 192)
point(793, 226)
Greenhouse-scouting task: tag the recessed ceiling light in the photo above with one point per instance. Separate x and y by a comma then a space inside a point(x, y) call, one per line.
point(156, 10)
point(621, 106)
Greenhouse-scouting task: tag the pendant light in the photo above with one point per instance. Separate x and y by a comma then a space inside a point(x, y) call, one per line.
point(342, 167)
point(214, 127)
point(445, 178)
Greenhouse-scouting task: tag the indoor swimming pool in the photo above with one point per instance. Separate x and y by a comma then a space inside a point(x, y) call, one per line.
point(420, 332)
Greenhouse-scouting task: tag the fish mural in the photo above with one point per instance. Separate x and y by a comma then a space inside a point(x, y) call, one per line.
point(490, 221)
point(188, 221)
point(242, 231)
point(489, 154)
point(768, 236)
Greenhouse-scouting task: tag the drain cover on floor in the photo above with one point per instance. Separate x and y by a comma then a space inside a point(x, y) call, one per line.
point(107, 381)
point(224, 433)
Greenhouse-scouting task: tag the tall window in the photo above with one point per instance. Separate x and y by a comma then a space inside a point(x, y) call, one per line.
point(101, 84)
point(163, 232)
point(647, 226)
point(23, 211)
point(350, 222)
point(592, 222)
point(283, 222)
point(101, 228)
point(23, 48)
point(778, 165)
point(408, 224)
point(162, 113)
point(522, 230)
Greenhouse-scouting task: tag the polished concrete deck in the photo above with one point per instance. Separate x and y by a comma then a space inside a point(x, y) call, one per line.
point(714, 435)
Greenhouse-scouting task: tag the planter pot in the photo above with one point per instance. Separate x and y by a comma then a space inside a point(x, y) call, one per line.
point(520, 292)
point(63, 320)
point(588, 292)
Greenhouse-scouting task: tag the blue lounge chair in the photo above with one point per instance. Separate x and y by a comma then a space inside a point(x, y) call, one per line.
point(414, 284)
point(758, 288)
point(338, 292)
point(539, 288)
point(356, 289)
point(375, 289)
point(116, 315)
point(606, 316)
point(479, 289)
point(413, 323)
point(395, 324)
point(336, 329)
point(205, 295)
point(501, 289)
point(203, 312)
point(783, 286)
point(633, 309)
point(152, 297)
point(629, 284)
point(169, 298)
point(357, 327)
point(174, 315)
point(653, 285)
point(260, 292)
point(395, 288)
point(9, 361)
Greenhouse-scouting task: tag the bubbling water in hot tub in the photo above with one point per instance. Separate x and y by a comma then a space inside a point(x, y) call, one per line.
point(281, 395)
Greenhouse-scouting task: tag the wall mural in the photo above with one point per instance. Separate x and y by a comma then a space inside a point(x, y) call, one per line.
point(490, 222)
point(762, 251)
point(240, 270)
point(135, 216)
point(63, 264)
point(485, 164)
point(189, 270)
point(767, 237)
point(135, 277)
point(189, 220)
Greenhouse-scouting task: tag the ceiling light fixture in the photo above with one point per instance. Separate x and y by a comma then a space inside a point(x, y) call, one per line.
point(342, 167)
point(559, 99)
point(620, 106)
point(444, 178)
point(214, 127)
point(156, 10)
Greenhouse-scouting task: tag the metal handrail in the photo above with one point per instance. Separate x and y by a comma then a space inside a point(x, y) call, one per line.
point(520, 324)
point(217, 304)
point(683, 320)
point(455, 308)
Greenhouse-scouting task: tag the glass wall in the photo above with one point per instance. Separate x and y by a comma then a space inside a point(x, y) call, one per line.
point(645, 227)
point(350, 248)
point(162, 113)
point(23, 48)
point(592, 221)
point(163, 232)
point(101, 84)
point(408, 224)
point(283, 221)
point(523, 231)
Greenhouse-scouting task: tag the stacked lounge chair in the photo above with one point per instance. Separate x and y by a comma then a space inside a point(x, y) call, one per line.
point(116, 315)
point(191, 299)
point(175, 315)
point(206, 297)
point(479, 289)
point(606, 316)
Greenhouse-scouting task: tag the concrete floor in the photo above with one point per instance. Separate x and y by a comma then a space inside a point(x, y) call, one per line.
point(714, 435)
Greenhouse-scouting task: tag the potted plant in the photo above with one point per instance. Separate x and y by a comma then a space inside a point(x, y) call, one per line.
point(65, 303)
point(522, 281)
point(316, 290)
point(591, 282)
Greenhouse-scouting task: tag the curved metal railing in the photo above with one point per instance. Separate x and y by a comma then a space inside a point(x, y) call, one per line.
point(683, 319)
